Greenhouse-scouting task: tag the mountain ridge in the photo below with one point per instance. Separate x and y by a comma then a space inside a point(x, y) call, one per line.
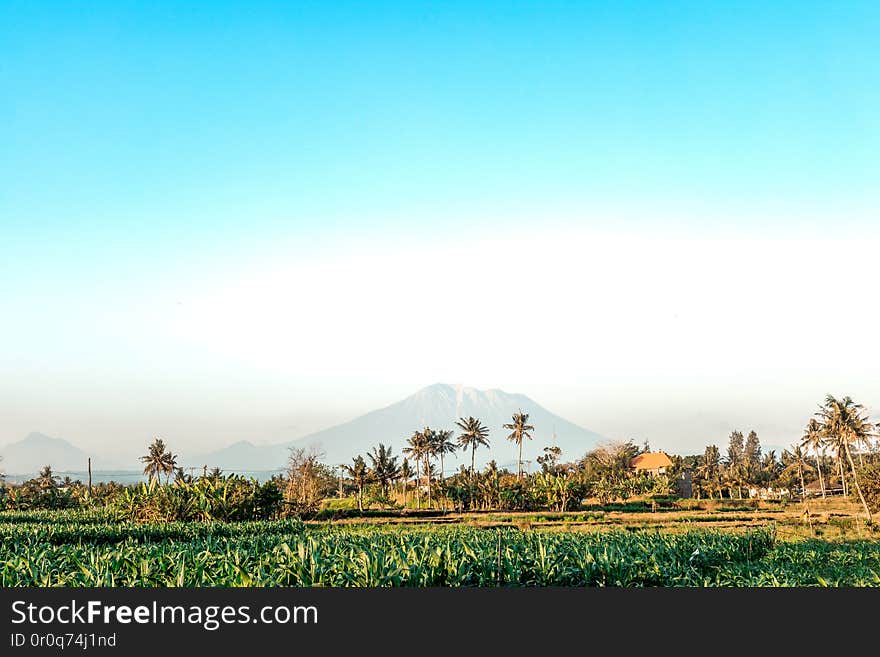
point(438, 405)
point(37, 449)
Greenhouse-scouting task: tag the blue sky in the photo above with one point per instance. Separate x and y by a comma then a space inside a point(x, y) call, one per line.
point(153, 152)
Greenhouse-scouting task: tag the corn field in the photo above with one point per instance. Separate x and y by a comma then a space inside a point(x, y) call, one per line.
point(65, 548)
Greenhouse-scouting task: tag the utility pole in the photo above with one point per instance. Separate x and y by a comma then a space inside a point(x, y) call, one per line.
point(340, 481)
point(90, 476)
point(205, 471)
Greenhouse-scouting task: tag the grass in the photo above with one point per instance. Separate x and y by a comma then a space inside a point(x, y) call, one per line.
point(596, 548)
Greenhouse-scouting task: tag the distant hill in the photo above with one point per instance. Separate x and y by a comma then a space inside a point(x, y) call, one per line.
point(437, 406)
point(29, 455)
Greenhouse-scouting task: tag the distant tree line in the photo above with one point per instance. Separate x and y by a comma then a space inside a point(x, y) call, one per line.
point(838, 449)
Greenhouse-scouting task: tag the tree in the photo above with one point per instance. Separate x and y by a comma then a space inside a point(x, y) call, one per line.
point(158, 461)
point(769, 468)
point(814, 439)
point(385, 468)
point(520, 429)
point(405, 473)
point(308, 480)
point(752, 457)
point(799, 457)
point(612, 460)
point(360, 475)
point(550, 458)
point(428, 453)
point(735, 462)
point(710, 469)
point(473, 434)
point(417, 448)
point(46, 480)
point(443, 444)
point(181, 478)
point(846, 423)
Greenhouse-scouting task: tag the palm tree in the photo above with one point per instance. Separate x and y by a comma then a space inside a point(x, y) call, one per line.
point(710, 468)
point(520, 428)
point(735, 463)
point(815, 440)
point(158, 461)
point(405, 473)
point(837, 452)
point(417, 448)
point(444, 444)
point(473, 435)
point(847, 422)
point(181, 478)
point(360, 475)
point(385, 467)
point(799, 458)
point(429, 452)
point(769, 467)
point(46, 479)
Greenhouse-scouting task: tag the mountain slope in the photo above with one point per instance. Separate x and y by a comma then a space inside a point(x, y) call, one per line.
point(27, 456)
point(439, 406)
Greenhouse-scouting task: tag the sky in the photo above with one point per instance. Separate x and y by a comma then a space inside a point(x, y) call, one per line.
point(226, 221)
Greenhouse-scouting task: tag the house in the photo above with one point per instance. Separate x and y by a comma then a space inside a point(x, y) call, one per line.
point(652, 463)
point(768, 493)
point(832, 487)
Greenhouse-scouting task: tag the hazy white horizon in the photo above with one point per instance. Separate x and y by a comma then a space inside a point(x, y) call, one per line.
point(674, 340)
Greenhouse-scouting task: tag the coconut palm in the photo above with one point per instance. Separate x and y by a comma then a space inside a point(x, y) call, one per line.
point(385, 468)
point(735, 471)
point(360, 475)
point(799, 460)
point(473, 435)
point(405, 474)
point(429, 452)
point(181, 478)
point(835, 444)
point(520, 429)
point(46, 479)
point(846, 423)
point(710, 469)
point(814, 439)
point(443, 444)
point(417, 448)
point(769, 468)
point(158, 461)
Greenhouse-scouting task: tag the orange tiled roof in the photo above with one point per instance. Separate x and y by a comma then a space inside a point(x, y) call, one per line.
point(651, 461)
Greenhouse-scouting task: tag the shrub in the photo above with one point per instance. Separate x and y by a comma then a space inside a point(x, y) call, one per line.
point(206, 499)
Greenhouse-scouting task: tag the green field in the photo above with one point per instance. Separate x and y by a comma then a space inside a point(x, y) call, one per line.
point(76, 548)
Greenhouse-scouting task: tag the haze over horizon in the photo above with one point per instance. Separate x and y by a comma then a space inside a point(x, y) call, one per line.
point(658, 220)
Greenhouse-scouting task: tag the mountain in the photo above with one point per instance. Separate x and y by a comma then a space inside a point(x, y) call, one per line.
point(437, 406)
point(29, 455)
